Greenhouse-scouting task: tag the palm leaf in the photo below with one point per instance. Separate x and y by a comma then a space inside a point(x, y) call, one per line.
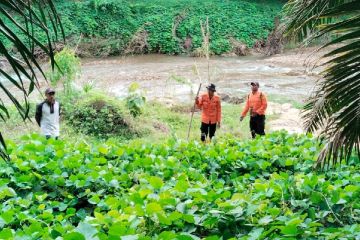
point(334, 107)
point(20, 24)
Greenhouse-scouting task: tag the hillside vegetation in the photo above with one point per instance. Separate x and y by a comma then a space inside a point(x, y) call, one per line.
point(258, 189)
point(113, 27)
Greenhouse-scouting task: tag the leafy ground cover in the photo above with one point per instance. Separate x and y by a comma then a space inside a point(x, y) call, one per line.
point(261, 189)
point(112, 27)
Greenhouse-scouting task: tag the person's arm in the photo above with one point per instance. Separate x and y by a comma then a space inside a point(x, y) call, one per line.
point(218, 112)
point(61, 115)
point(246, 108)
point(60, 109)
point(199, 102)
point(263, 107)
point(38, 113)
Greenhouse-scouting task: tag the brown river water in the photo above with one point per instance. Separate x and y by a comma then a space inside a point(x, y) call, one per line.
point(175, 78)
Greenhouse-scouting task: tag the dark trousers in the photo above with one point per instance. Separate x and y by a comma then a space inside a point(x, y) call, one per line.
point(207, 129)
point(48, 137)
point(257, 125)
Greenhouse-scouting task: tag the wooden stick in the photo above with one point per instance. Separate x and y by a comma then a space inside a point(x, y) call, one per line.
point(192, 113)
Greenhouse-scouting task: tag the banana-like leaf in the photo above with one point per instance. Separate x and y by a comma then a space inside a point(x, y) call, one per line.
point(333, 110)
point(20, 24)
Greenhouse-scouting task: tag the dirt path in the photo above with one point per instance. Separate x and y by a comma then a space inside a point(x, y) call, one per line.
point(288, 118)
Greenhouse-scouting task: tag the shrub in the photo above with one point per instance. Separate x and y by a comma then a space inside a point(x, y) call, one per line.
point(135, 101)
point(100, 116)
point(68, 67)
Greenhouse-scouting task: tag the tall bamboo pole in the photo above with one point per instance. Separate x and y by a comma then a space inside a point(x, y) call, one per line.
point(192, 113)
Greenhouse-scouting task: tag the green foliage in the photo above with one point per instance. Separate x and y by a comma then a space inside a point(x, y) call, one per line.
point(260, 189)
point(88, 86)
point(68, 67)
point(135, 101)
point(332, 110)
point(107, 26)
point(100, 116)
point(32, 28)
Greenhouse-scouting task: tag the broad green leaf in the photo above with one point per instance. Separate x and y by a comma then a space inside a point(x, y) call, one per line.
point(188, 218)
point(175, 216)
point(74, 236)
point(103, 149)
point(265, 220)
point(144, 192)
point(255, 234)
point(186, 237)
point(167, 235)
point(41, 197)
point(8, 216)
point(341, 201)
point(118, 229)
point(129, 237)
point(7, 192)
point(294, 221)
point(95, 199)
point(182, 186)
point(156, 182)
point(152, 208)
point(289, 230)
point(212, 238)
point(316, 197)
point(87, 230)
point(6, 233)
point(163, 219)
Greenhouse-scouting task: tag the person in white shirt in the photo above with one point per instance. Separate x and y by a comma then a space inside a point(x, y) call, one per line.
point(48, 115)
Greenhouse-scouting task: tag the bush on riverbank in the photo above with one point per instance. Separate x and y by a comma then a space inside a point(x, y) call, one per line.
point(170, 27)
point(101, 116)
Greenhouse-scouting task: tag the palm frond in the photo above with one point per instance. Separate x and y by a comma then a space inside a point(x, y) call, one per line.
point(21, 23)
point(334, 107)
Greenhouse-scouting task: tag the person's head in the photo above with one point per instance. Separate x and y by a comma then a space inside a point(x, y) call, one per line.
point(211, 89)
point(50, 94)
point(254, 86)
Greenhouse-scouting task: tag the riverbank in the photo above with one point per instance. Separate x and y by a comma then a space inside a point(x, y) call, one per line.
point(172, 82)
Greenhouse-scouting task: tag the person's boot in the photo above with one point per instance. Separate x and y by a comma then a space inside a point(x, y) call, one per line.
point(203, 137)
point(253, 134)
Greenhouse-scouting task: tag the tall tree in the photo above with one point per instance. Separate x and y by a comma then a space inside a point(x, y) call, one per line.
point(334, 107)
point(21, 24)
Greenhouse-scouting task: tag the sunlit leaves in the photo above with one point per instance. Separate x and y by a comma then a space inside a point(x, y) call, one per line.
point(88, 193)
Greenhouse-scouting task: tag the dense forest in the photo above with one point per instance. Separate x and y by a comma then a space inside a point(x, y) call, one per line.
point(111, 27)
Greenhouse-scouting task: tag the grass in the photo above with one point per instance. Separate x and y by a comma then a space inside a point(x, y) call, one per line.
point(176, 120)
point(161, 122)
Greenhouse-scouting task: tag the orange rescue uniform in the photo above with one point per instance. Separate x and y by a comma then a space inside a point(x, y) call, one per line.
point(257, 102)
point(211, 108)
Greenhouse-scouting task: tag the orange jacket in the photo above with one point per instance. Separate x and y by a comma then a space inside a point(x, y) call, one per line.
point(211, 108)
point(257, 102)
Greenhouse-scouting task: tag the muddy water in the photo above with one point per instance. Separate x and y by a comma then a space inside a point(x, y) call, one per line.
point(175, 78)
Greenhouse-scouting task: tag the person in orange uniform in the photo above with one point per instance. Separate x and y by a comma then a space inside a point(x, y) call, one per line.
point(256, 103)
point(210, 104)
